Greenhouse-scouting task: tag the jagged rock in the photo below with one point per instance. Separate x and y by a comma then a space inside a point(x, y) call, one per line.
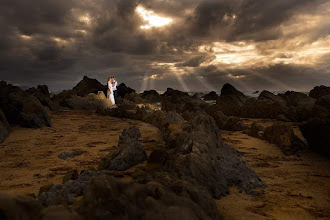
point(317, 133)
point(234, 124)
point(42, 94)
point(319, 91)
point(283, 136)
point(19, 207)
point(298, 99)
point(201, 157)
point(61, 98)
point(123, 90)
point(107, 198)
point(70, 175)
point(4, 127)
point(220, 119)
point(210, 96)
point(21, 108)
point(129, 152)
point(151, 96)
point(266, 95)
point(324, 102)
point(231, 96)
point(256, 130)
point(134, 98)
point(88, 85)
point(174, 100)
point(158, 156)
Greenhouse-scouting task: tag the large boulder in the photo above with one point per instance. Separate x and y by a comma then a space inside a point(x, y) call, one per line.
point(129, 153)
point(42, 94)
point(283, 136)
point(319, 91)
point(88, 85)
point(108, 198)
point(201, 157)
point(266, 95)
point(122, 90)
point(256, 130)
point(62, 97)
point(212, 96)
point(4, 127)
point(21, 108)
point(298, 99)
point(230, 95)
point(317, 133)
point(151, 96)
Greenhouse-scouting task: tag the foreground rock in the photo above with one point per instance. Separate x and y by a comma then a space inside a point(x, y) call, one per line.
point(317, 133)
point(129, 153)
point(88, 85)
point(4, 127)
point(42, 94)
point(21, 108)
point(283, 136)
point(201, 157)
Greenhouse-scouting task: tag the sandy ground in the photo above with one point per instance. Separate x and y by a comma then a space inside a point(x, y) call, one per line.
point(29, 157)
point(298, 186)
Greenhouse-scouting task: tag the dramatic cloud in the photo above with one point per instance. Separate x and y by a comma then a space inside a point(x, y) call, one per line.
point(194, 45)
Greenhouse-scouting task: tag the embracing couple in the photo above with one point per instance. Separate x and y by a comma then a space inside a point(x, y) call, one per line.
point(112, 90)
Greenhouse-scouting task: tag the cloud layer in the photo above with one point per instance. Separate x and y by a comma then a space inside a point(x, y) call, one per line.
point(253, 44)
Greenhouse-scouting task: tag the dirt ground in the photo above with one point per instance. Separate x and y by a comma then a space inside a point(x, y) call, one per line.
point(29, 157)
point(298, 187)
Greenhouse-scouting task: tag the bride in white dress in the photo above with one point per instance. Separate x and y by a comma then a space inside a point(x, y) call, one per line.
point(110, 92)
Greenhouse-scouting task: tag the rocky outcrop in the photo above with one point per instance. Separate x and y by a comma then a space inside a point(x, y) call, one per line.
point(4, 127)
point(107, 198)
point(212, 96)
point(88, 85)
point(266, 95)
point(256, 130)
point(151, 96)
point(42, 94)
point(201, 157)
point(319, 91)
point(123, 90)
point(21, 108)
point(129, 152)
point(283, 136)
point(62, 97)
point(231, 96)
point(298, 99)
point(317, 133)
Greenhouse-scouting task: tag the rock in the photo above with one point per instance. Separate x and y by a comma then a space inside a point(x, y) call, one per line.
point(129, 152)
point(283, 136)
point(45, 188)
point(4, 127)
point(256, 130)
point(67, 155)
point(151, 96)
point(42, 94)
point(324, 102)
point(21, 108)
point(316, 131)
point(19, 207)
point(210, 96)
point(220, 119)
point(319, 91)
point(201, 157)
point(158, 156)
point(88, 85)
point(123, 90)
point(234, 124)
point(256, 92)
point(107, 198)
point(59, 212)
point(174, 100)
point(134, 98)
point(61, 98)
point(265, 95)
point(230, 95)
point(298, 99)
point(70, 175)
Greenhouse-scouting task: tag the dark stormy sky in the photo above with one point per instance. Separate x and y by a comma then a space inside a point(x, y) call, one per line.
point(192, 45)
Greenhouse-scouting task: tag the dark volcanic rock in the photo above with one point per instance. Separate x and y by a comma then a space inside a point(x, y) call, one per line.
point(317, 133)
point(151, 96)
point(123, 90)
point(202, 157)
point(4, 127)
point(211, 96)
point(67, 155)
point(265, 95)
point(158, 156)
point(19, 207)
point(298, 99)
point(21, 108)
point(283, 136)
point(319, 91)
point(63, 97)
point(129, 152)
point(88, 85)
point(107, 198)
point(256, 130)
point(134, 98)
point(42, 94)
point(234, 124)
point(324, 102)
point(230, 95)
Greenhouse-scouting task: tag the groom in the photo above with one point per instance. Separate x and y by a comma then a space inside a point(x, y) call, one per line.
point(114, 88)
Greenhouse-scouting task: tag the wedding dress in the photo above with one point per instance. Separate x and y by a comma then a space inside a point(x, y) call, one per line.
point(110, 93)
